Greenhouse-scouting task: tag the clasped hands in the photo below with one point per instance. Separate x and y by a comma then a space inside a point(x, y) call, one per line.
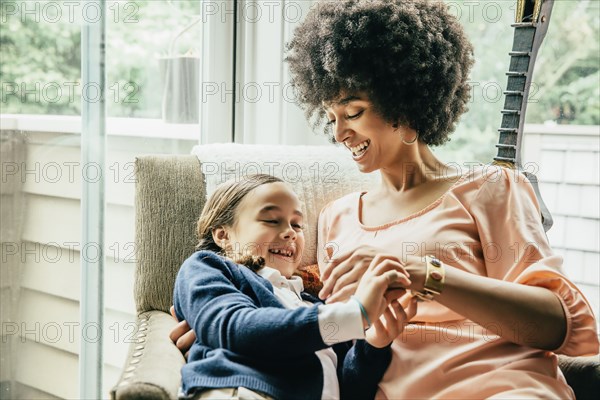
point(378, 280)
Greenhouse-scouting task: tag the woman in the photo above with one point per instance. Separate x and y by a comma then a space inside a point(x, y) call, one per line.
point(389, 79)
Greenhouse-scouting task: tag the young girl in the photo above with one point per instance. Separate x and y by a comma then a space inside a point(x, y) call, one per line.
point(259, 336)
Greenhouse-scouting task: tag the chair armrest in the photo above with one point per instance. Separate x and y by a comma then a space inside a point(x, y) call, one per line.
point(582, 374)
point(153, 366)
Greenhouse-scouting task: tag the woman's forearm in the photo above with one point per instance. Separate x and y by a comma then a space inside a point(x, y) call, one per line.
point(527, 315)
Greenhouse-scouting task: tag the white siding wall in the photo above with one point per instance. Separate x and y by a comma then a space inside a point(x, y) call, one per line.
point(47, 346)
point(568, 163)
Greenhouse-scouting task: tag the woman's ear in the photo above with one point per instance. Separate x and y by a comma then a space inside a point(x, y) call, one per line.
point(221, 237)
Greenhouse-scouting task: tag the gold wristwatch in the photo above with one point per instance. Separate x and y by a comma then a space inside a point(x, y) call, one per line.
point(434, 280)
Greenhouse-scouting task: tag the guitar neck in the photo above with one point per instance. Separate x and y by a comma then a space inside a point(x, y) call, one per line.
point(533, 17)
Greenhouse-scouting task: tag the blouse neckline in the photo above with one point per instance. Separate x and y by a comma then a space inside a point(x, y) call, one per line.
point(416, 214)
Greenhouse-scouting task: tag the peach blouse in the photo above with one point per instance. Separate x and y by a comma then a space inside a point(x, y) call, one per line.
point(488, 224)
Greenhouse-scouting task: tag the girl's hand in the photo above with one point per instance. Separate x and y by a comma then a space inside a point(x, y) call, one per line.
point(384, 281)
point(182, 335)
point(391, 324)
point(343, 272)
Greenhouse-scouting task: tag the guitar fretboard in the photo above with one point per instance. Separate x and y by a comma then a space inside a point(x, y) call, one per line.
point(516, 89)
point(530, 28)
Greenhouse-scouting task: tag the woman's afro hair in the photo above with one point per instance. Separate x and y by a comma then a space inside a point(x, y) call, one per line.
point(410, 57)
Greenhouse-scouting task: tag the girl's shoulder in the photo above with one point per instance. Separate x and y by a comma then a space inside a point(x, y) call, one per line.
point(208, 261)
point(208, 258)
point(215, 261)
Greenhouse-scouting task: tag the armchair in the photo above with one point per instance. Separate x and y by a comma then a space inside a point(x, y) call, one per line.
point(170, 193)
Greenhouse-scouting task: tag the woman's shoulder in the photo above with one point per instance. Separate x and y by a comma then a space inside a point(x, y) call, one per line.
point(489, 175)
point(493, 187)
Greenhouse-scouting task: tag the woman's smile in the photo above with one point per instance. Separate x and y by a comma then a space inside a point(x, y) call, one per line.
point(359, 150)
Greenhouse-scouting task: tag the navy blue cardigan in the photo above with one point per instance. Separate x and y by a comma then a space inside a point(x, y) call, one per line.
point(246, 337)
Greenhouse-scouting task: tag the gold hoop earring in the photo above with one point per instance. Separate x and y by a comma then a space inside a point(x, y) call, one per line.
point(396, 126)
point(412, 141)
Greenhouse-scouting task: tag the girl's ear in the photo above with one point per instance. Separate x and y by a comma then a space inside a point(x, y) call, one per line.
point(221, 237)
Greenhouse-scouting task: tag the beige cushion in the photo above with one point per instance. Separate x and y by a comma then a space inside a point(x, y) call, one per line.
point(318, 175)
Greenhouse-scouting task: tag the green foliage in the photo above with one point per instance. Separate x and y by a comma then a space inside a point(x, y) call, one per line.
point(567, 70)
point(38, 55)
point(565, 88)
point(41, 52)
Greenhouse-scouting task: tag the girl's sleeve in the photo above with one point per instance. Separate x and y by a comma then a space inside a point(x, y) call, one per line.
point(516, 249)
point(362, 370)
point(224, 317)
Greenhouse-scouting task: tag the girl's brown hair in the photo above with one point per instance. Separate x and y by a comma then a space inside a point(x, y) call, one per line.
point(219, 211)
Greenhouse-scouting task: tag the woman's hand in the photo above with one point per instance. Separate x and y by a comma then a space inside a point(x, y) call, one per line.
point(383, 282)
point(344, 272)
point(182, 335)
point(391, 324)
